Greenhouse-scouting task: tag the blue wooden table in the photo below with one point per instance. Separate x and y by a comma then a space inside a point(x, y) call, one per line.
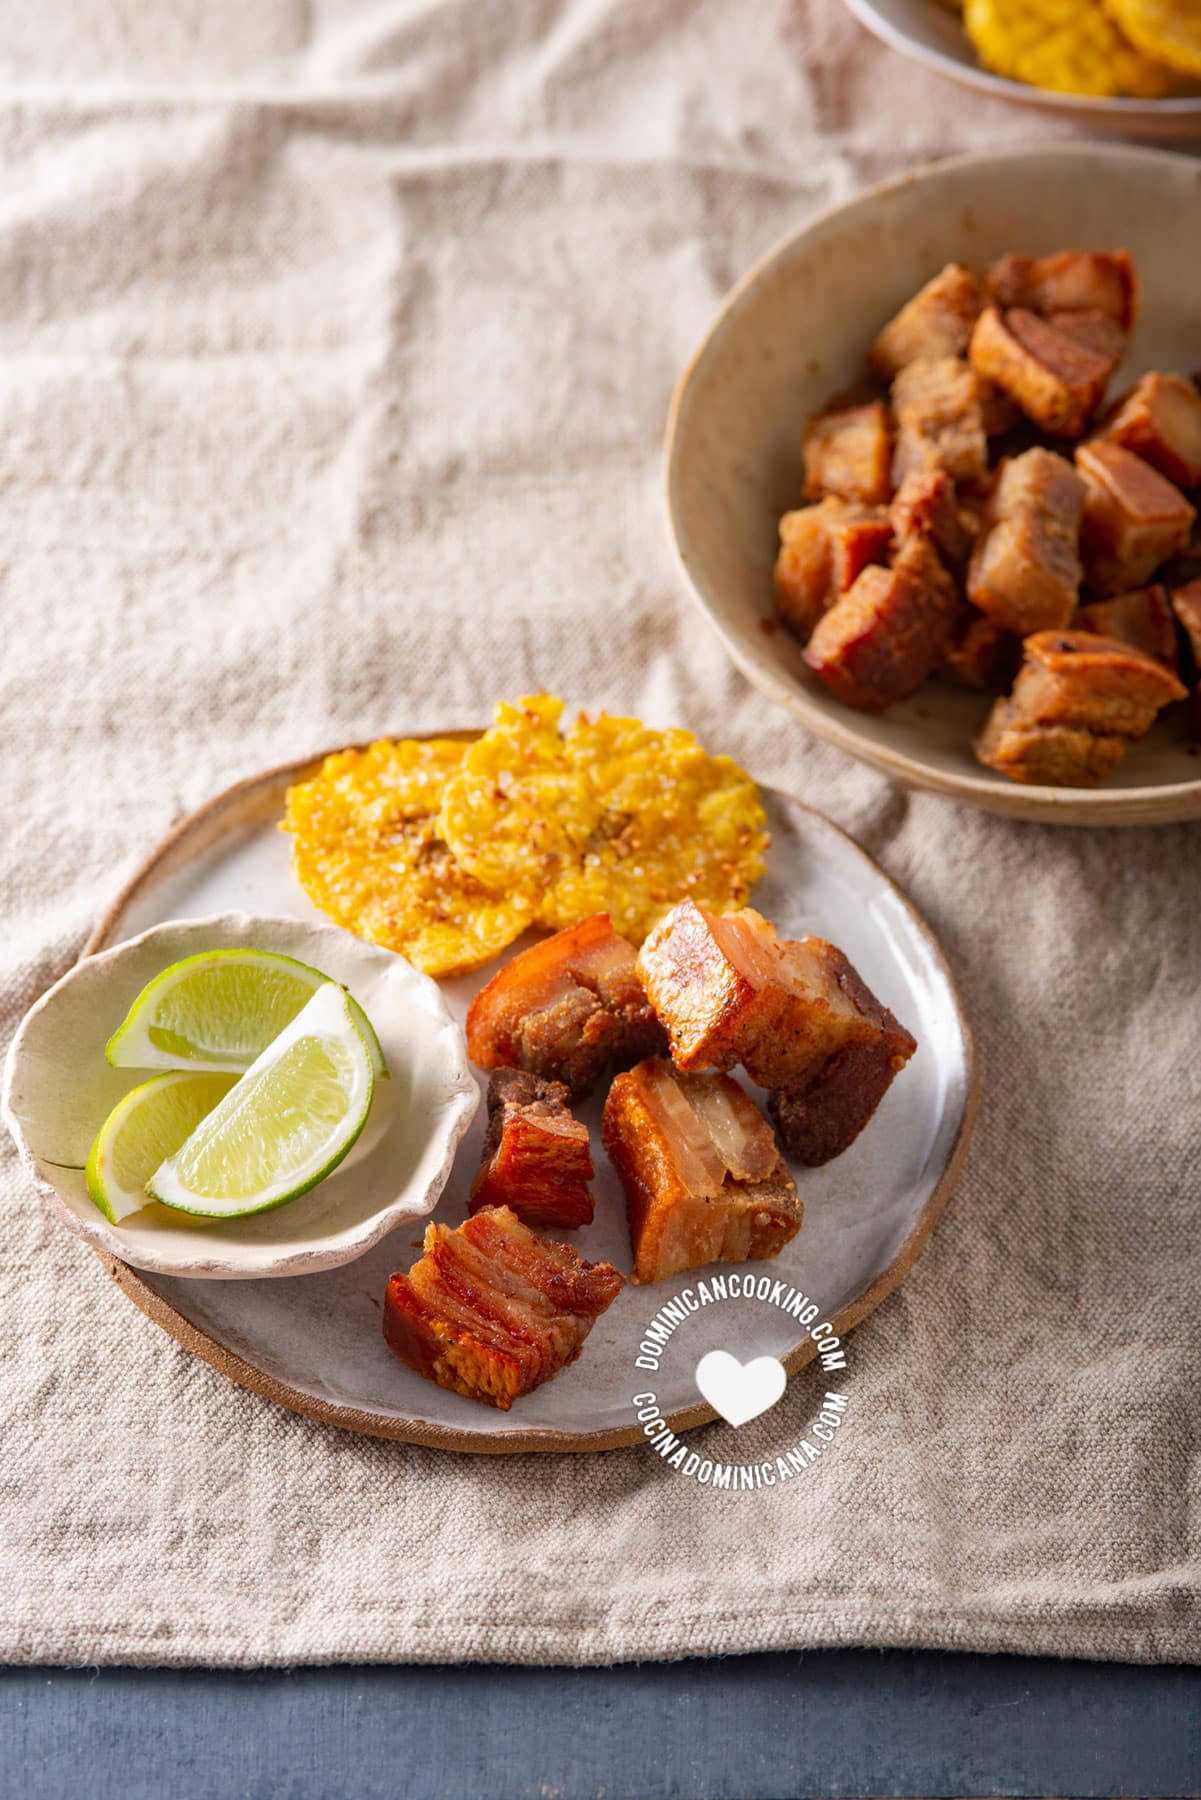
point(826, 1723)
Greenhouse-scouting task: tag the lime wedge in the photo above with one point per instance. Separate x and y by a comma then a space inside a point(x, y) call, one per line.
point(285, 1125)
point(219, 1010)
point(149, 1124)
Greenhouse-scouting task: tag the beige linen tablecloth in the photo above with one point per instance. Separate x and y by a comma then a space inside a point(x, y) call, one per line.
point(338, 340)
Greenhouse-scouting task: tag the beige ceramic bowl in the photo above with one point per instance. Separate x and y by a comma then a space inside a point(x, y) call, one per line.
point(794, 332)
point(930, 34)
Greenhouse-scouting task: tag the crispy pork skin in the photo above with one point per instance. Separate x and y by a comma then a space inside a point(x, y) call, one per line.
point(704, 1181)
point(939, 421)
point(1160, 420)
point(1025, 570)
point(823, 549)
point(1046, 755)
point(848, 452)
point(1070, 281)
point(936, 322)
point(888, 632)
point(536, 1158)
point(1057, 373)
point(1133, 518)
point(1143, 618)
point(1077, 701)
point(568, 1009)
point(491, 1310)
point(1100, 684)
point(730, 991)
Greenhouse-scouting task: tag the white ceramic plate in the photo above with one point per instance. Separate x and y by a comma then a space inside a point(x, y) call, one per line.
point(929, 34)
point(315, 1344)
point(59, 1090)
point(795, 331)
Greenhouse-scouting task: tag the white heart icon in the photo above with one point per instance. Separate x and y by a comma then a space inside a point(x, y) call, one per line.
point(740, 1391)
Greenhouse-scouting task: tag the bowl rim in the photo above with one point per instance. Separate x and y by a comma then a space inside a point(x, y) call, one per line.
point(460, 1104)
point(1159, 803)
point(1089, 107)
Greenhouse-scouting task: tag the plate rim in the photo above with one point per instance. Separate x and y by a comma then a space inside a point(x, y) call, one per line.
point(1161, 804)
point(421, 1432)
point(1093, 109)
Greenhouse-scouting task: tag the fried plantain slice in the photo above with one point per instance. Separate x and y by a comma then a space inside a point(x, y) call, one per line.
point(1068, 46)
point(367, 851)
point(1168, 30)
point(669, 820)
point(518, 810)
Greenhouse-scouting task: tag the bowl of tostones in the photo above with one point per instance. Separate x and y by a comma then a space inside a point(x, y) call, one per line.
point(1115, 65)
point(787, 357)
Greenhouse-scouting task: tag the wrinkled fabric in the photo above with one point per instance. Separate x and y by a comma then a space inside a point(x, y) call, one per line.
point(338, 339)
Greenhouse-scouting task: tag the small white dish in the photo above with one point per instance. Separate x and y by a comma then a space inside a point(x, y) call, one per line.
point(58, 1090)
point(929, 34)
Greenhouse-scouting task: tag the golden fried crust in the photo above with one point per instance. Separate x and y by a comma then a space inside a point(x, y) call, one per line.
point(536, 1157)
point(823, 549)
point(1133, 518)
point(491, 1311)
point(1056, 375)
point(1160, 420)
point(567, 1009)
point(848, 453)
point(685, 1204)
point(1069, 281)
point(888, 632)
point(936, 322)
point(1046, 755)
point(1025, 570)
point(939, 420)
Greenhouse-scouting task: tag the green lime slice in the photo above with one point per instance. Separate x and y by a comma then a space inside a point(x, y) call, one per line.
point(149, 1124)
point(219, 1010)
point(285, 1125)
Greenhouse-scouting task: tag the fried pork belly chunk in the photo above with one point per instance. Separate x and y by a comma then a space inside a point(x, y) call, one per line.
point(980, 654)
point(1160, 420)
point(730, 991)
point(536, 1158)
point(823, 549)
point(491, 1311)
point(703, 1178)
point(1046, 755)
point(888, 632)
point(848, 453)
point(926, 504)
point(1070, 281)
point(1055, 369)
point(1077, 701)
point(1143, 618)
point(1025, 570)
point(939, 421)
point(1133, 518)
point(567, 1009)
point(937, 322)
point(1076, 678)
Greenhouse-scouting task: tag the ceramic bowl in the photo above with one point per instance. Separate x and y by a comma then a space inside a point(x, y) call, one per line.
point(929, 34)
point(794, 332)
point(58, 1090)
